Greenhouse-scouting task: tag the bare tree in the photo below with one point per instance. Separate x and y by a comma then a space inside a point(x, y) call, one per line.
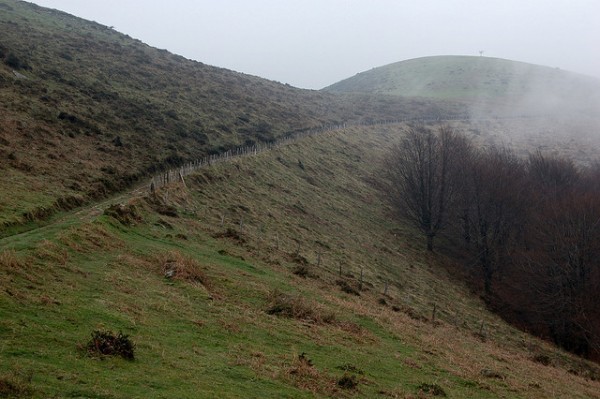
point(552, 175)
point(566, 267)
point(530, 228)
point(421, 172)
point(494, 198)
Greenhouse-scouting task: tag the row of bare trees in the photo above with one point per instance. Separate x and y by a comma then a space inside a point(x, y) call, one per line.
point(526, 230)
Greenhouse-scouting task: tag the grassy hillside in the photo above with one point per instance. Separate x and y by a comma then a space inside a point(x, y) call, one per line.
point(482, 80)
point(87, 111)
point(255, 305)
point(277, 275)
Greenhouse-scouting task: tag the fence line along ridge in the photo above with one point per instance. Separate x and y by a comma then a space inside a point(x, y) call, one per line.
point(177, 174)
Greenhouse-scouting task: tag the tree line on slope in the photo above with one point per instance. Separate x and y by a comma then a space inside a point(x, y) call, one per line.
point(526, 231)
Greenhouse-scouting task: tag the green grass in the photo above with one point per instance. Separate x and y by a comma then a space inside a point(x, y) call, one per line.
point(483, 81)
point(79, 274)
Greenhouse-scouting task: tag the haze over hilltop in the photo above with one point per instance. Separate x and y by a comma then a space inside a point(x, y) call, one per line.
point(482, 81)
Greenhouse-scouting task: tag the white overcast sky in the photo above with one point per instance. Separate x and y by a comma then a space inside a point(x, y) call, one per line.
point(314, 43)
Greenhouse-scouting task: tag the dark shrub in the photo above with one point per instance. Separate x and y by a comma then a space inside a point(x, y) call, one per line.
point(348, 381)
point(542, 359)
point(64, 116)
point(14, 62)
point(303, 271)
point(231, 233)
point(432, 389)
point(107, 343)
point(347, 288)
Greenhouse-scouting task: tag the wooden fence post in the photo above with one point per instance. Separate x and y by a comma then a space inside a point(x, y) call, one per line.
point(360, 286)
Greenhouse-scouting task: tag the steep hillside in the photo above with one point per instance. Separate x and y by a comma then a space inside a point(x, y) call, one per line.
point(87, 111)
point(485, 81)
point(279, 275)
point(276, 275)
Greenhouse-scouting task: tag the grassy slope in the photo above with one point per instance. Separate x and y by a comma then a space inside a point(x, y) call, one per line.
point(481, 79)
point(93, 110)
point(215, 339)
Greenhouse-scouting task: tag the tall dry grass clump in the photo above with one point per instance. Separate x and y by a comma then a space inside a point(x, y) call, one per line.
point(296, 307)
point(176, 266)
point(9, 260)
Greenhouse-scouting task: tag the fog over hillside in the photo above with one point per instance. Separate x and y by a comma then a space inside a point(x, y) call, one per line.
point(490, 85)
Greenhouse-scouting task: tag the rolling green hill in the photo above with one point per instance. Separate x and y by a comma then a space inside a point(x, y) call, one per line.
point(484, 81)
point(87, 111)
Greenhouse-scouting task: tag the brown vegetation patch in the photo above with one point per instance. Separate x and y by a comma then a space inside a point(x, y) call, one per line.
point(296, 307)
point(177, 266)
point(12, 386)
point(299, 259)
point(302, 374)
point(126, 214)
point(432, 389)
point(50, 251)
point(542, 359)
point(304, 271)
point(353, 328)
point(489, 373)
point(232, 234)
point(89, 237)
point(347, 287)
point(9, 260)
point(410, 312)
point(160, 205)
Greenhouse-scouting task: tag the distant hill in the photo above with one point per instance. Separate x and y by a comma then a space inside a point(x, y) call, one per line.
point(87, 111)
point(482, 80)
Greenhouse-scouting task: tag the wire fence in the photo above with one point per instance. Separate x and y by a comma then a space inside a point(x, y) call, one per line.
point(348, 278)
point(177, 174)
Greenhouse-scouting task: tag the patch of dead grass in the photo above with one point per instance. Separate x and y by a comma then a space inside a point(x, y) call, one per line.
point(176, 266)
point(90, 237)
point(296, 307)
point(50, 251)
point(301, 373)
point(9, 260)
